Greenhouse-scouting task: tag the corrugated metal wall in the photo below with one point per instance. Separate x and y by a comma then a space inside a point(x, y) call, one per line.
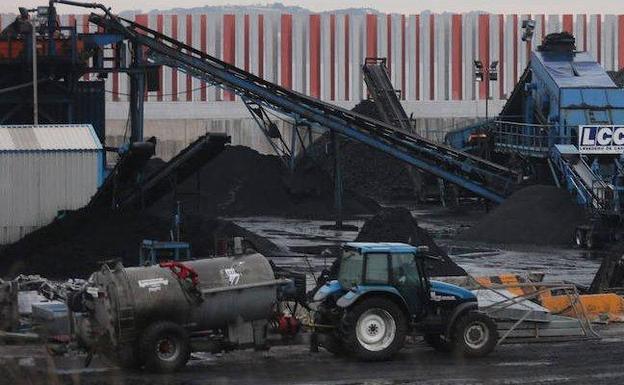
point(430, 55)
point(47, 181)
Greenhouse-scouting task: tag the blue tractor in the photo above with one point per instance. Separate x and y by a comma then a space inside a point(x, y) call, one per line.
point(382, 294)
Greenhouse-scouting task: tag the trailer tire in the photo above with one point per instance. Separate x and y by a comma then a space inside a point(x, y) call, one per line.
point(374, 329)
point(475, 335)
point(165, 346)
point(438, 343)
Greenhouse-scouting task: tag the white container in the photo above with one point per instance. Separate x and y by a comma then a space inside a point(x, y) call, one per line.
point(43, 170)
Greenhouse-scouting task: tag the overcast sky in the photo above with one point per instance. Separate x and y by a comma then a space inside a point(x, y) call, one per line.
point(399, 6)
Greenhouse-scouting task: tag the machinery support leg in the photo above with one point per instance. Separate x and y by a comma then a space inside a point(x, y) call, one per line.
point(137, 93)
point(293, 145)
point(337, 179)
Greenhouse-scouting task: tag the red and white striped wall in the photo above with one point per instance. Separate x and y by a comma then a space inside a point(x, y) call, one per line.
point(429, 55)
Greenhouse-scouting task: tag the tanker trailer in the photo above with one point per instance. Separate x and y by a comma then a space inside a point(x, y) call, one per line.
point(153, 316)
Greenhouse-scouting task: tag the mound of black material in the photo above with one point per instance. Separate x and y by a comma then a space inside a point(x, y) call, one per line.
point(366, 171)
point(538, 215)
point(73, 246)
point(242, 182)
point(398, 225)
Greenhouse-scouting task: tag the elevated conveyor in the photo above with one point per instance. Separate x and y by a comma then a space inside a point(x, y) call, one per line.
point(383, 93)
point(479, 176)
point(178, 169)
point(589, 188)
point(123, 188)
point(124, 175)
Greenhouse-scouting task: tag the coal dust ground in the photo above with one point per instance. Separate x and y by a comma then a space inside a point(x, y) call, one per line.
point(578, 362)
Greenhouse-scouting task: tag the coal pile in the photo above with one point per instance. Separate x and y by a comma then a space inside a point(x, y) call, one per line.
point(366, 171)
point(74, 245)
point(537, 215)
point(398, 225)
point(242, 182)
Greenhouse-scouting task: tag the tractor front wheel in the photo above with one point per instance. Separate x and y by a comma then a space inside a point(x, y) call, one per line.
point(475, 335)
point(374, 329)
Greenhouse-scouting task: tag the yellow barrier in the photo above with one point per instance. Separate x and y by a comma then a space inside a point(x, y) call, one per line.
point(607, 307)
point(598, 307)
point(504, 279)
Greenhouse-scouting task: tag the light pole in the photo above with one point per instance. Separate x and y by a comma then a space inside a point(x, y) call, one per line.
point(486, 74)
point(25, 15)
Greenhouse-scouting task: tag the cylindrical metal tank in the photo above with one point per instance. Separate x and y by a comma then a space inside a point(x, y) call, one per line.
point(231, 289)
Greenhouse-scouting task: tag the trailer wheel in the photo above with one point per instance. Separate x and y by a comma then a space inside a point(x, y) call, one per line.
point(475, 335)
point(165, 347)
point(579, 238)
point(438, 343)
point(374, 329)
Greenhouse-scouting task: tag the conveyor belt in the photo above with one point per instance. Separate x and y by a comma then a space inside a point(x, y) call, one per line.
point(383, 93)
point(590, 190)
point(183, 165)
point(479, 176)
point(124, 175)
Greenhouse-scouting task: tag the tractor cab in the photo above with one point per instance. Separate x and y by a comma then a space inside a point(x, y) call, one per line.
point(395, 268)
point(382, 293)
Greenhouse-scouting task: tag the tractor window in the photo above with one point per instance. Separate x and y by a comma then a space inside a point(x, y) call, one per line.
point(351, 267)
point(404, 269)
point(377, 268)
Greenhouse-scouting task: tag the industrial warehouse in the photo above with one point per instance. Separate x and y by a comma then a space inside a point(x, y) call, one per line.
point(265, 194)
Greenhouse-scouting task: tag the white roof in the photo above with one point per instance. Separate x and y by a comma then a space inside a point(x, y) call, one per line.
point(48, 137)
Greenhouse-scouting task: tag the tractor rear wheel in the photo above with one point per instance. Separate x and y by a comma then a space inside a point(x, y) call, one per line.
point(374, 329)
point(475, 335)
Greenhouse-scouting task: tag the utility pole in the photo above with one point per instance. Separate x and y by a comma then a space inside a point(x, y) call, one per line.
point(33, 35)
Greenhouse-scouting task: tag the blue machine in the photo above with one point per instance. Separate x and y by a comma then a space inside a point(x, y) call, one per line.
point(382, 292)
point(566, 115)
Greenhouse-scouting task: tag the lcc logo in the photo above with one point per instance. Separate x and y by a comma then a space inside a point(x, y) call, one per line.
point(601, 139)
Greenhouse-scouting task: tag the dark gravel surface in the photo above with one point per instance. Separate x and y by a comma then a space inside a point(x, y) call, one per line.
point(580, 362)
